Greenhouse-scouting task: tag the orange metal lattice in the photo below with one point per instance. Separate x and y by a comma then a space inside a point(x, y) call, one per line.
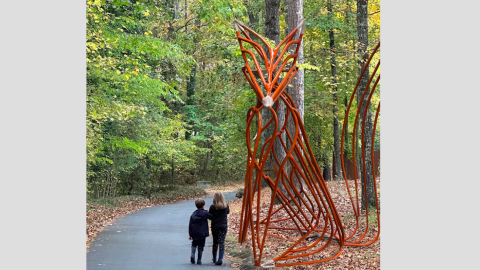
point(305, 210)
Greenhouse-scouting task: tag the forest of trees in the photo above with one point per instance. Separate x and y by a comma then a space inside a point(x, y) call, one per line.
point(166, 98)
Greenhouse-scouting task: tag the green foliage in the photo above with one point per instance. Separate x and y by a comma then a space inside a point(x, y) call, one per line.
point(165, 194)
point(318, 78)
point(165, 91)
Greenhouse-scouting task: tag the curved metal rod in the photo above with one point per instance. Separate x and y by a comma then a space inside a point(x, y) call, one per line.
point(306, 199)
point(353, 149)
point(363, 157)
point(343, 128)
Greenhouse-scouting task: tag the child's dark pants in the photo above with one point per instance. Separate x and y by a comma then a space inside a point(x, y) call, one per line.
point(200, 243)
point(218, 235)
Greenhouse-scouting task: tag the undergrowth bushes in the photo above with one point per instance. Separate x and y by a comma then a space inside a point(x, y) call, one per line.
point(166, 194)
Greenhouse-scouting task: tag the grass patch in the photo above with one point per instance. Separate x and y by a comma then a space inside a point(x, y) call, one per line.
point(372, 218)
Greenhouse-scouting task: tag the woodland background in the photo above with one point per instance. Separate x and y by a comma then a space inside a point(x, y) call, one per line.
point(166, 99)
point(428, 54)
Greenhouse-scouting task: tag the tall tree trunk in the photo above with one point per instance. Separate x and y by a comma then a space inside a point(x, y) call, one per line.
point(173, 171)
point(191, 85)
point(272, 20)
point(336, 134)
point(159, 177)
point(272, 32)
point(362, 32)
point(347, 77)
point(294, 15)
point(185, 7)
point(171, 12)
point(192, 82)
point(296, 91)
point(254, 16)
point(327, 176)
point(177, 8)
point(190, 95)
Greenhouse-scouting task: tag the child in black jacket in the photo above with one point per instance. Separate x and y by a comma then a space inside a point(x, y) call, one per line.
point(219, 210)
point(198, 230)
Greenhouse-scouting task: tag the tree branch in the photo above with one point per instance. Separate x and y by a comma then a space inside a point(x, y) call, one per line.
point(186, 23)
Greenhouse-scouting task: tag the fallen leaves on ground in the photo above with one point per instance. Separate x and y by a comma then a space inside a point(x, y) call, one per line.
point(351, 257)
point(228, 187)
point(100, 216)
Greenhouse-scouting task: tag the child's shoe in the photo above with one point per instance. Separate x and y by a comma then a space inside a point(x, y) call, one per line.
point(214, 254)
point(192, 256)
point(220, 257)
point(199, 256)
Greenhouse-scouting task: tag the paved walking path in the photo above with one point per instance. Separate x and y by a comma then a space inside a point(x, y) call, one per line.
point(151, 238)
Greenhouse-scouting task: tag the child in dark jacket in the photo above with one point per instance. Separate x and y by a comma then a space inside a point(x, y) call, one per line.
point(219, 210)
point(198, 230)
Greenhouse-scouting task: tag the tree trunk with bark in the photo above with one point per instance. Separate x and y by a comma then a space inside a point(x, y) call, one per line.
point(327, 176)
point(272, 32)
point(294, 15)
point(185, 10)
point(296, 91)
point(191, 84)
point(336, 134)
point(272, 20)
point(362, 32)
point(348, 15)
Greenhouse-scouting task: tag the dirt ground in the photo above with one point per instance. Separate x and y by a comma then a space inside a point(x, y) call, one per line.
point(351, 257)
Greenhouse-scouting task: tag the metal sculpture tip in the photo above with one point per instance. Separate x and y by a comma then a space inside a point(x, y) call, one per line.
point(238, 25)
point(301, 26)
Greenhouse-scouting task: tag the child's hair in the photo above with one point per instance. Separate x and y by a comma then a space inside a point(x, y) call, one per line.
point(219, 201)
point(199, 203)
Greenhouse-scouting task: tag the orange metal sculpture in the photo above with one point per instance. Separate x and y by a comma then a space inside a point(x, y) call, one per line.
point(301, 212)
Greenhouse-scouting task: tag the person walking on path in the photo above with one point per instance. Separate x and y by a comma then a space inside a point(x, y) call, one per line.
point(198, 230)
point(219, 210)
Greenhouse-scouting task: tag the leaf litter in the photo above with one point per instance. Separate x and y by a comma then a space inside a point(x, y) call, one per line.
point(351, 257)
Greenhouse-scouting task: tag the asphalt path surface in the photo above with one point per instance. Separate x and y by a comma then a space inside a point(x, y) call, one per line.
point(151, 238)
